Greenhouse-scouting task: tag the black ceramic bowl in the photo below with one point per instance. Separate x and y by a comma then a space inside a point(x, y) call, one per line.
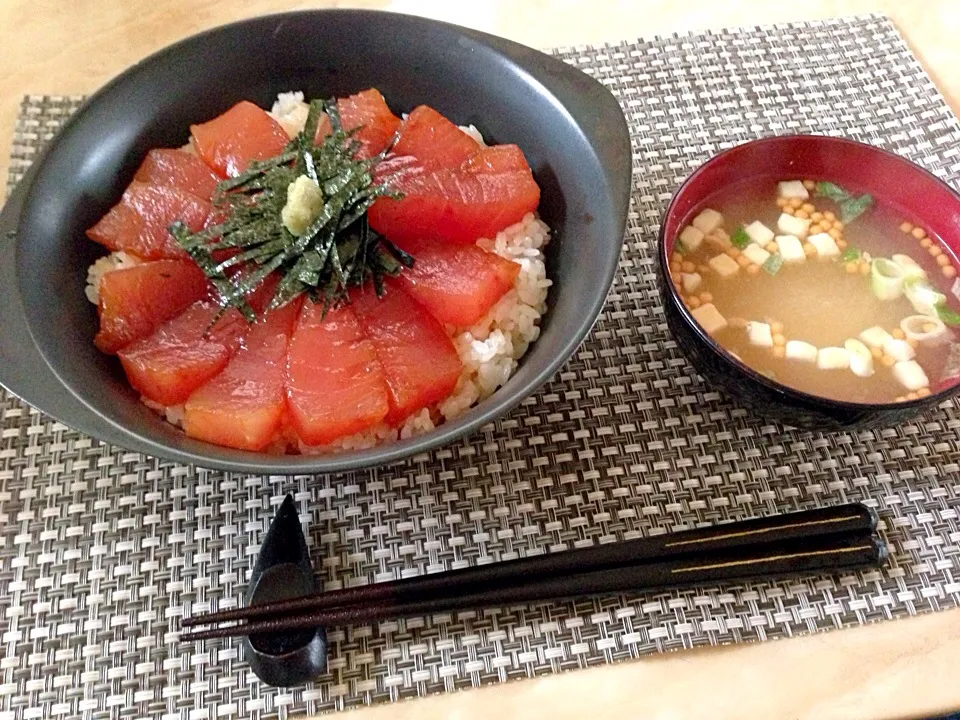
point(918, 196)
point(568, 125)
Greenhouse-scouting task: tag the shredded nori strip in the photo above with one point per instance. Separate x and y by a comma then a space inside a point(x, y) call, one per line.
point(338, 249)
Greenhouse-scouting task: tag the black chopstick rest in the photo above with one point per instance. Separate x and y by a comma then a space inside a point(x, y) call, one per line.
point(283, 571)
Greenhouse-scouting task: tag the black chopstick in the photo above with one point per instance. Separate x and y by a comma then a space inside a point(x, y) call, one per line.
point(693, 543)
point(773, 528)
point(831, 553)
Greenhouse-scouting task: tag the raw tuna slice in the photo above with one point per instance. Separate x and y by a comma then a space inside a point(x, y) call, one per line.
point(168, 365)
point(418, 358)
point(458, 284)
point(244, 405)
point(139, 222)
point(368, 111)
point(180, 169)
point(433, 140)
point(335, 384)
point(496, 158)
point(243, 133)
point(134, 301)
point(458, 205)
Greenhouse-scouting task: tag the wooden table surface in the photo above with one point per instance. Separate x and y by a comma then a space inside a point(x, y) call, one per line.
point(896, 669)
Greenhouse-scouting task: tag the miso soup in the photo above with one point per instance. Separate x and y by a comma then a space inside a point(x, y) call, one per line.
point(823, 290)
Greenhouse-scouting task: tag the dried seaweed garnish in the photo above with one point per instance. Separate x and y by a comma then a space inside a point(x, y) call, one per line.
point(338, 249)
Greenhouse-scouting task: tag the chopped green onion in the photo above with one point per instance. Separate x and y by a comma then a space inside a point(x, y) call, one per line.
point(773, 263)
point(850, 255)
point(886, 279)
point(740, 239)
point(946, 315)
point(910, 267)
point(924, 298)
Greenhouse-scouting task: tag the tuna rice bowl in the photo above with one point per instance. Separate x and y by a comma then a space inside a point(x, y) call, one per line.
point(322, 276)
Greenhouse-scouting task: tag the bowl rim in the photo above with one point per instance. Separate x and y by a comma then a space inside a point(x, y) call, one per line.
point(663, 264)
point(565, 83)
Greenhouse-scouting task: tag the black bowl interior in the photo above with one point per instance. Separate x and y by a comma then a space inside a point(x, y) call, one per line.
point(570, 128)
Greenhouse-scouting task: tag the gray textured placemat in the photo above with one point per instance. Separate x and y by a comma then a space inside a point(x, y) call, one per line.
point(101, 551)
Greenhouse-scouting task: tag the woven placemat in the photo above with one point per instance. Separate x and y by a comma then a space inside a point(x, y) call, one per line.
point(103, 550)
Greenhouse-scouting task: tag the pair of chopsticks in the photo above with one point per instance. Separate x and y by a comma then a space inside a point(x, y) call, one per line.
point(826, 540)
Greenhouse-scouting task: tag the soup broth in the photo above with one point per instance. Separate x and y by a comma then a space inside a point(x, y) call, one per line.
point(860, 311)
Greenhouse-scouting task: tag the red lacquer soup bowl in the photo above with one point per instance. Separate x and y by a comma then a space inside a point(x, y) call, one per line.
point(913, 193)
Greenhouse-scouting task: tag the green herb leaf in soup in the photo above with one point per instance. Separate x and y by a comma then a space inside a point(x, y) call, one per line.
point(773, 263)
point(832, 192)
point(948, 316)
point(853, 208)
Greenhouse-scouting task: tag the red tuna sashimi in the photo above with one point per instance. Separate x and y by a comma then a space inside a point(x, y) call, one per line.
point(458, 284)
point(180, 169)
point(335, 384)
point(244, 405)
point(243, 133)
point(433, 140)
point(176, 359)
point(496, 159)
point(134, 301)
point(368, 111)
point(458, 205)
point(139, 222)
point(418, 358)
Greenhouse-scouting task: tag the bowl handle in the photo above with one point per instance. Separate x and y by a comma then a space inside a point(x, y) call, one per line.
point(23, 370)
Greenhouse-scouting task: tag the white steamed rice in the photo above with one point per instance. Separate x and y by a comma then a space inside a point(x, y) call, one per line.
point(490, 350)
point(113, 261)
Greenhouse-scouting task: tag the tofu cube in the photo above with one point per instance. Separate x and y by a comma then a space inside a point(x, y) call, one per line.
point(800, 350)
point(756, 254)
point(690, 238)
point(909, 374)
point(690, 281)
point(758, 232)
point(792, 189)
point(899, 350)
point(875, 336)
point(791, 225)
point(724, 265)
point(759, 334)
point(826, 246)
point(718, 240)
point(833, 358)
point(791, 249)
point(709, 318)
point(708, 221)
